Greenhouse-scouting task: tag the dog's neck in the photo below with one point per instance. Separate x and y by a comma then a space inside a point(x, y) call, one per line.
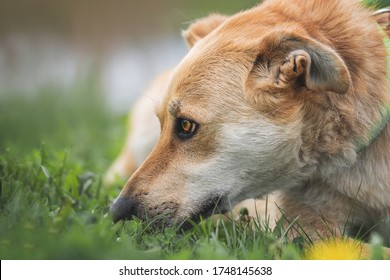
point(367, 179)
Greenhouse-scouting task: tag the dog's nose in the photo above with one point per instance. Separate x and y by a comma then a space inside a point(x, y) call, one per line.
point(123, 208)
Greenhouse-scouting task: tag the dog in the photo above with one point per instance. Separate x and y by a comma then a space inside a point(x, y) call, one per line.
point(289, 97)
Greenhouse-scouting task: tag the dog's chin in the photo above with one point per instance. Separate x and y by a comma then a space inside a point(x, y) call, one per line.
point(215, 204)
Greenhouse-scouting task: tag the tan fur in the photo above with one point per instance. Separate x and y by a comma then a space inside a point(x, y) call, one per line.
point(287, 96)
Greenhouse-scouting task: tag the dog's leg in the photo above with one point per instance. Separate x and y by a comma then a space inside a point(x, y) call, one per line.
point(263, 211)
point(320, 212)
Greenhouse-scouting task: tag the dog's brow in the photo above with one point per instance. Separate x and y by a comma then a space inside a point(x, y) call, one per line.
point(174, 107)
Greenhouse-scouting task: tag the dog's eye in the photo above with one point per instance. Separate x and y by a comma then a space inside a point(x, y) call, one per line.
point(185, 128)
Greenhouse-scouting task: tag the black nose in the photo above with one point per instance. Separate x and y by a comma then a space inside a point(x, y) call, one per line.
point(123, 208)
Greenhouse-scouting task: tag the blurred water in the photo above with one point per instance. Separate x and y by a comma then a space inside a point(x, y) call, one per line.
point(128, 69)
point(124, 43)
point(29, 62)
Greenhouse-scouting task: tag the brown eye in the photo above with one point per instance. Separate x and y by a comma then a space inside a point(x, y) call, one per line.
point(185, 128)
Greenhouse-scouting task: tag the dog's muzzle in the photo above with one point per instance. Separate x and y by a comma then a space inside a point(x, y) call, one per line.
point(125, 208)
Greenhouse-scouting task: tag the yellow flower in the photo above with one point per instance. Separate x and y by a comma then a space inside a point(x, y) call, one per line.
point(335, 249)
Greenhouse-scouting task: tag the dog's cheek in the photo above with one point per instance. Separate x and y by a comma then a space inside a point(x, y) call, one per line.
point(250, 156)
point(262, 144)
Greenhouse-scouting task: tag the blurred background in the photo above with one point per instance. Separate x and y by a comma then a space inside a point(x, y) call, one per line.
point(124, 43)
point(69, 68)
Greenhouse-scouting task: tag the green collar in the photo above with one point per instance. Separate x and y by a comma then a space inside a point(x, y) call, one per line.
point(385, 112)
point(376, 130)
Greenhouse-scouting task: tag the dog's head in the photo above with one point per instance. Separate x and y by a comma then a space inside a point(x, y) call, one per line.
point(240, 119)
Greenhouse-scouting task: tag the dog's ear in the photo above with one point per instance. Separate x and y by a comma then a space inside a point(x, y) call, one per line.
point(201, 27)
point(301, 61)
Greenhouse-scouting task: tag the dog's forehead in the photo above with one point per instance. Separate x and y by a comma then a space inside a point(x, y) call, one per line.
point(207, 72)
point(200, 97)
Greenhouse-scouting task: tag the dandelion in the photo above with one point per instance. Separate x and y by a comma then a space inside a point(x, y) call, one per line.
point(335, 249)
